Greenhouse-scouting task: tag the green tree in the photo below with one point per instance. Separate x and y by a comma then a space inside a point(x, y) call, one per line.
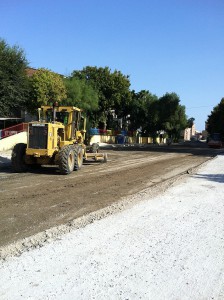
point(190, 122)
point(215, 121)
point(154, 118)
point(172, 115)
point(46, 87)
point(81, 94)
point(13, 80)
point(112, 88)
point(142, 111)
point(154, 115)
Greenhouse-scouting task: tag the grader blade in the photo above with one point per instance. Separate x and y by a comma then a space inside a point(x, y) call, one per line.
point(102, 157)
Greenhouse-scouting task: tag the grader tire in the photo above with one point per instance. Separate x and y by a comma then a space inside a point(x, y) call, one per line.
point(18, 158)
point(95, 148)
point(78, 158)
point(66, 160)
point(105, 158)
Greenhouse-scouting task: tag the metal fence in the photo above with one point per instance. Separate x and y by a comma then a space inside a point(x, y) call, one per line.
point(13, 130)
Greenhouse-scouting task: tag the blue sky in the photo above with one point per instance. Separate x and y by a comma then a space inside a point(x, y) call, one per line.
point(164, 45)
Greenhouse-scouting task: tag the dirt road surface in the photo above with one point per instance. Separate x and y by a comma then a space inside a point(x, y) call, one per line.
point(35, 201)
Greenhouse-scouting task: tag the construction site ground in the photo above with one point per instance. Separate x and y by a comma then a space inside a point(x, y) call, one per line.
point(35, 201)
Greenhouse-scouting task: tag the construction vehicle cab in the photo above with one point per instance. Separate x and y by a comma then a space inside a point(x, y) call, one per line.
point(57, 138)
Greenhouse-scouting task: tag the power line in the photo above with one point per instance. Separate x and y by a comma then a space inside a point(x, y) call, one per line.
point(199, 106)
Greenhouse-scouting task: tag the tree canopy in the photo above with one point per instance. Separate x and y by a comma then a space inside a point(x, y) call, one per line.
point(215, 121)
point(158, 115)
point(14, 88)
point(112, 88)
point(46, 87)
point(81, 94)
point(143, 110)
point(172, 115)
point(190, 122)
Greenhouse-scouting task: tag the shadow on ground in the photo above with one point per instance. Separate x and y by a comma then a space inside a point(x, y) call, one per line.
point(5, 164)
point(193, 148)
point(211, 177)
point(5, 167)
point(5, 160)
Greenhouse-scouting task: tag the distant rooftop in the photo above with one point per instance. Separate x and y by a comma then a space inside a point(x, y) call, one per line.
point(30, 71)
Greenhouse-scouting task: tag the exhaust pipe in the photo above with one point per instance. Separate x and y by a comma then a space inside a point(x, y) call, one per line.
point(55, 105)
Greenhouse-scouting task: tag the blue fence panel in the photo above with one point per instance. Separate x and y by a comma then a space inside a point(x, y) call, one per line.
point(124, 132)
point(120, 139)
point(94, 131)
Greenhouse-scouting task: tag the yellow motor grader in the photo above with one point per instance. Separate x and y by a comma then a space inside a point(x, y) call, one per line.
point(56, 139)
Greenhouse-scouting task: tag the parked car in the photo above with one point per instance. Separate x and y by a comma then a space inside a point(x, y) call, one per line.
point(215, 140)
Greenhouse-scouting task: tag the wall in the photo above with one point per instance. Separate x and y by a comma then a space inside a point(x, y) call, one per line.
point(129, 140)
point(9, 142)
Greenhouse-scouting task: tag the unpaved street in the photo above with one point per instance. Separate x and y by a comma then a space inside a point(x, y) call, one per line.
point(166, 247)
point(33, 202)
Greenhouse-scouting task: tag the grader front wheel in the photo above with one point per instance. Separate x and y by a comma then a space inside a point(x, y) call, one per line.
point(66, 160)
point(18, 158)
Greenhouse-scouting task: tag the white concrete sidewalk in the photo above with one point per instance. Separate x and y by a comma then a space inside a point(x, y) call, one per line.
point(169, 247)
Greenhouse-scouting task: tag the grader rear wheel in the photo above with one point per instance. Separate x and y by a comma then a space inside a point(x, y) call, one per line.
point(78, 157)
point(66, 160)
